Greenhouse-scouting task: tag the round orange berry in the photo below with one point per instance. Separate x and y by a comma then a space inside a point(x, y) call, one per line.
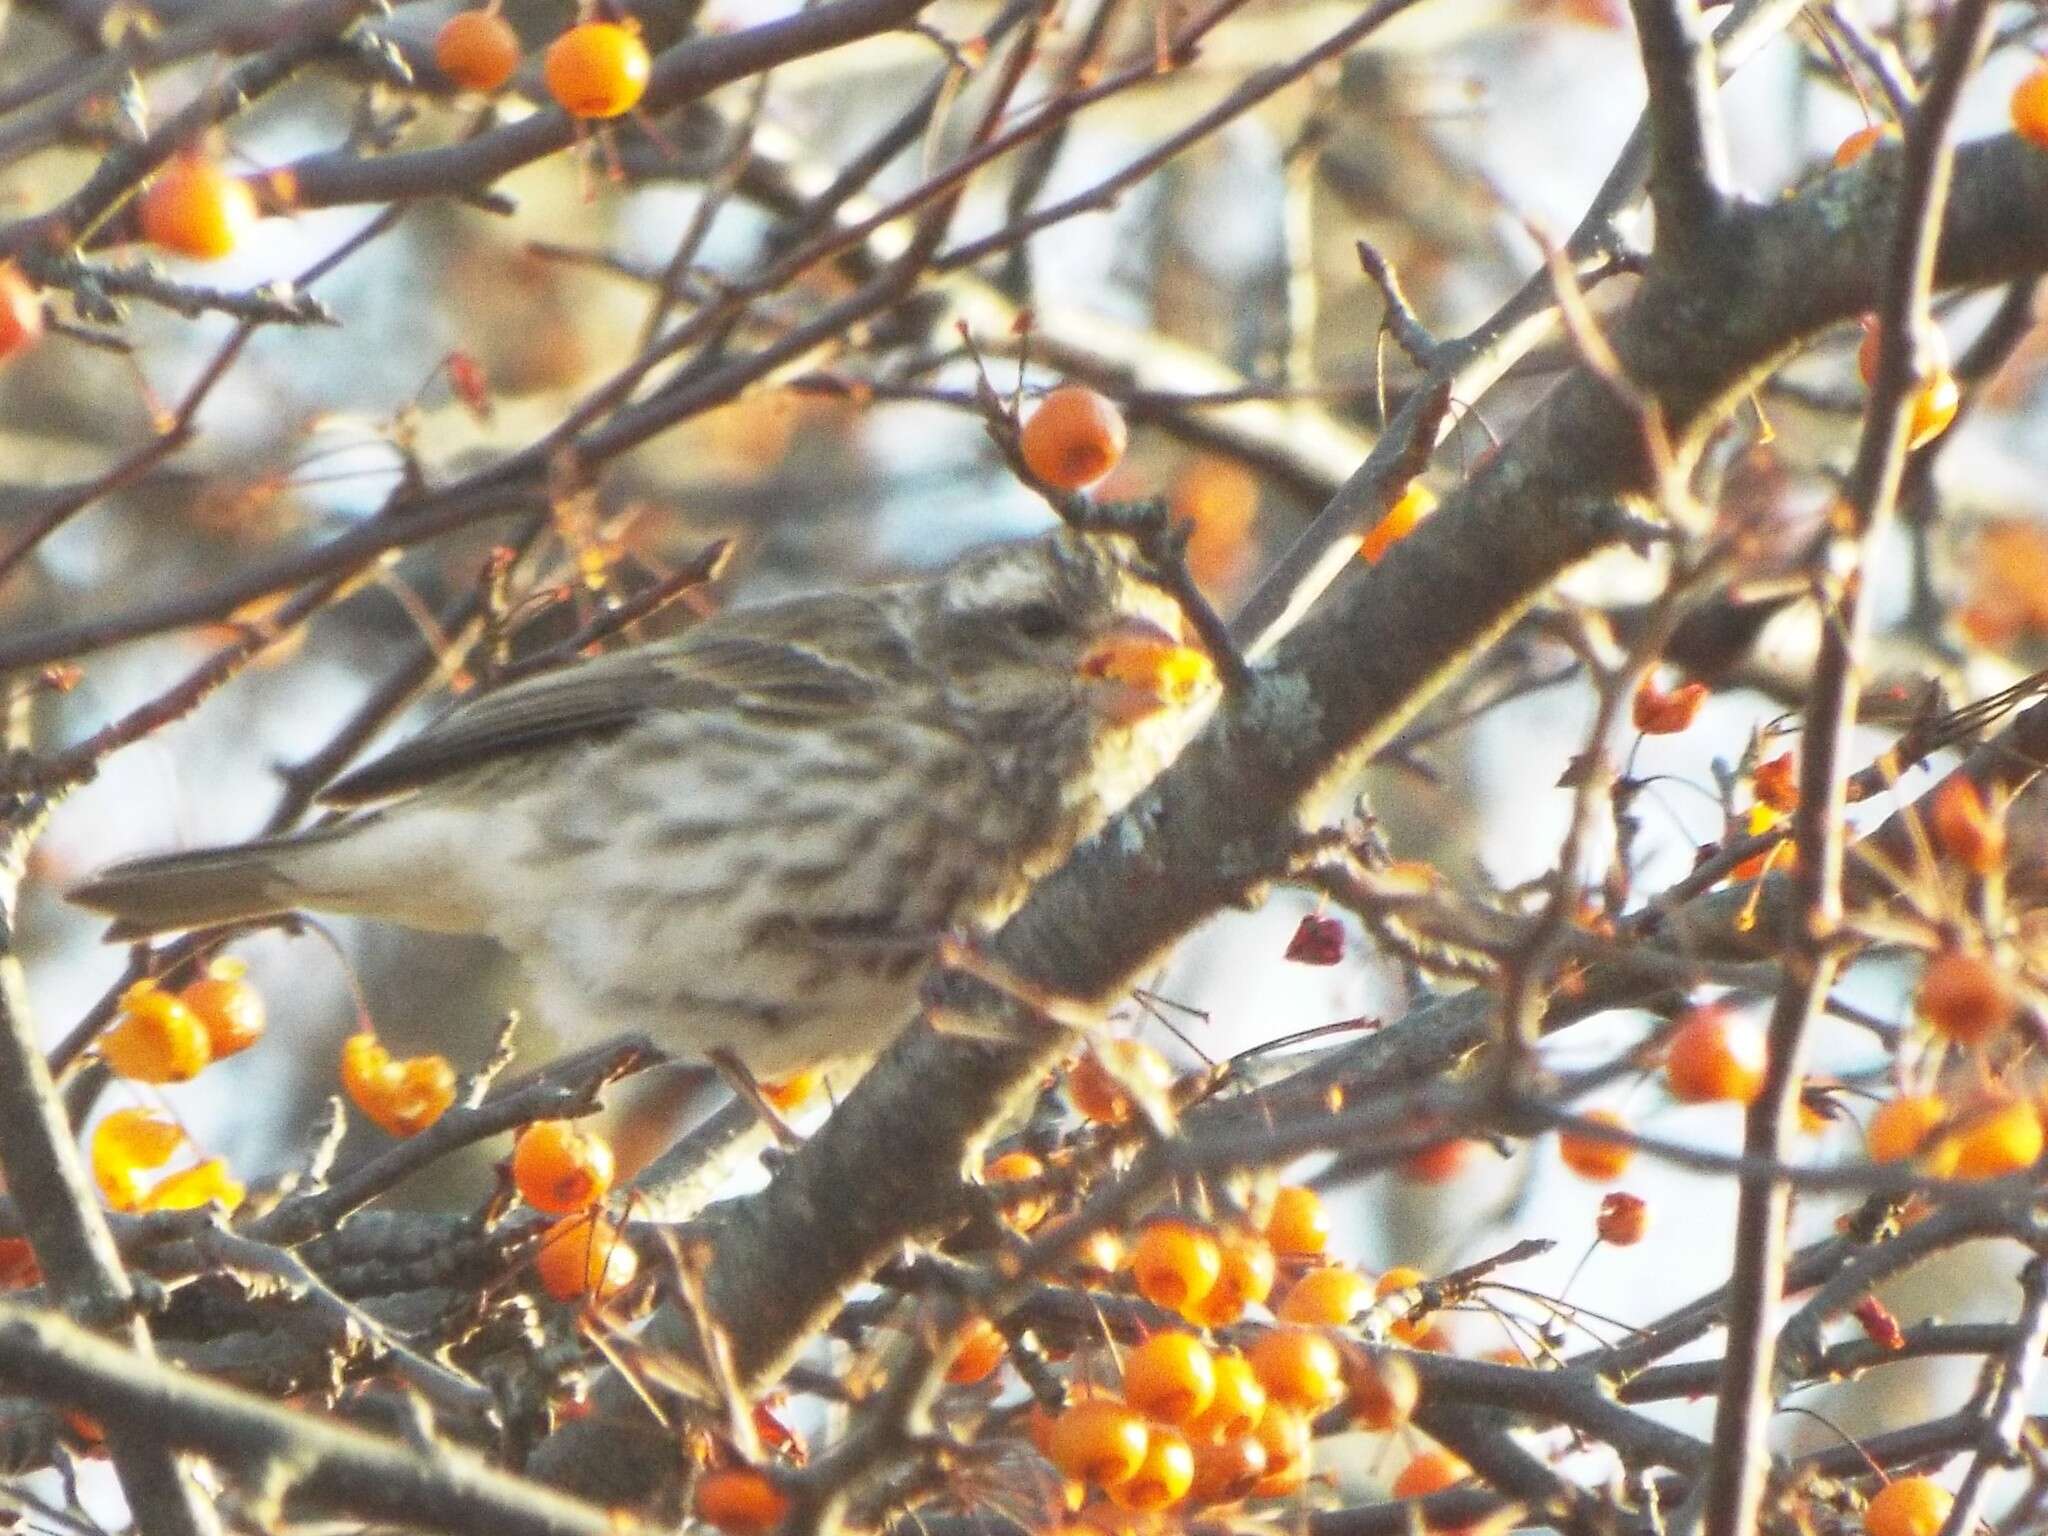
point(1096, 1081)
point(1441, 1162)
point(478, 50)
point(1073, 439)
point(207, 1183)
point(1236, 1404)
point(1624, 1219)
point(1099, 1441)
point(21, 311)
point(228, 1005)
point(792, 1093)
point(1171, 1377)
point(1218, 498)
point(155, 1039)
point(1403, 1277)
point(1715, 1056)
point(1288, 1442)
point(1594, 1157)
point(1228, 1470)
point(1964, 827)
point(1902, 1126)
point(401, 1097)
point(1298, 1366)
point(982, 1347)
point(197, 208)
point(1430, 1472)
point(1024, 1211)
point(1163, 1478)
point(1299, 1225)
point(1176, 1263)
point(2002, 1137)
point(2030, 108)
point(560, 1168)
point(1966, 997)
point(585, 1256)
point(1249, 1270)
point(739, 1501)
point(1908, 1506)
point(597, 69)
point(1329, 1296)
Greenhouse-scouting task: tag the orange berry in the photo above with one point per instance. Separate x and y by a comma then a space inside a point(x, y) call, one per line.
point(1416, 503)
point(1902, 1126)
point(208, 1183)
point(401, 1097)
point(228, 1006)
point(1403, 1277)
point(1096, 1080)
point(559, 1168)
point(1288, 1442)
point(1228, 1470)
point(1430, 1472)
point(125, 1142)
point(1099, 1441)
point(1219, 497)
point(1176, 1263)
point(1380, 1389)
point(1237, 1403)
point(1329, 1296)
point(196, 208)
point(585, 1256)
point(793, 1092)
point(21, 312)
point(1966, 997)
point(982, 1347)
point(1171, 1377)
point(1624, 1219)
point(1657, 713)
point(478, 50)
point(1073, 439)
point(1024, 1212)
point(156, 1038)
point(1964, 828)
point(1298, 1366)
point(1249, 1270)
point(739, 1500)
point(1777, 783)
point(1716, 1056)
point(1863, 141)
point(2003, 1137)
point(2030, 108)
point(597, 69)
point(1163, 1478)
point(1908, 1506)
point(1299, 1225)
point(1591, 1157)
point(1440, 1163)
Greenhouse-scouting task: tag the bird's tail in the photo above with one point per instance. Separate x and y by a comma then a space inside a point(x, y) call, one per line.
point(172, 891)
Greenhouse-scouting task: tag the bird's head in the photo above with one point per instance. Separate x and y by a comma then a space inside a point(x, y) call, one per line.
point(1071, 633)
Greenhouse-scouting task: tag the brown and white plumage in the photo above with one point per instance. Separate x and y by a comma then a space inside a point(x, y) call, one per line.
point(746, 840)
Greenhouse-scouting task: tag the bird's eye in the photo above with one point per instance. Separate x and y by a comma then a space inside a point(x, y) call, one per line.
point(1039, 621)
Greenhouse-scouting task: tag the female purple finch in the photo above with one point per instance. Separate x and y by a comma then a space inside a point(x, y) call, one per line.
point(746, 841)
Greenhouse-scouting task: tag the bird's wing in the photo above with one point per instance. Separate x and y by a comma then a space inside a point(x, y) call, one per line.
point(809, 658)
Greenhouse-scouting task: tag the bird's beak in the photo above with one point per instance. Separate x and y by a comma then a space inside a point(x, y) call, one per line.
point(1138, 669)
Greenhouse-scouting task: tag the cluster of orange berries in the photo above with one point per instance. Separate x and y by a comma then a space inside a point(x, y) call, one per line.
point(595, 69)
point(565, 1171)
point(1203, 1425)
point(171, 1037)
point(130, 1148)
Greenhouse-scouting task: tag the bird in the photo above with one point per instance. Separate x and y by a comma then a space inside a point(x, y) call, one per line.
point(750, 841)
